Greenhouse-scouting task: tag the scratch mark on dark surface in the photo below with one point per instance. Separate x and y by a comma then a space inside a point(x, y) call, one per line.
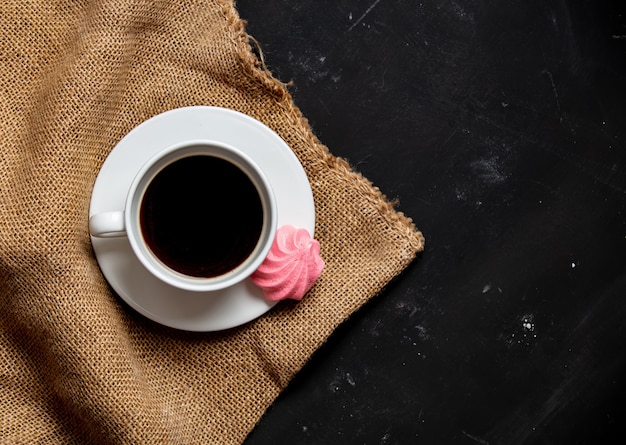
point(450, 136)
point(367, 11)
point(555, 92)
point(476, 439)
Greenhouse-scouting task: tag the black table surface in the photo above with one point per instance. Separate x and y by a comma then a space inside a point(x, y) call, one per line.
point(500, 128)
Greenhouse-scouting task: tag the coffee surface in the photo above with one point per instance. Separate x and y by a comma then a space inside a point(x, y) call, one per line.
point(201, 216)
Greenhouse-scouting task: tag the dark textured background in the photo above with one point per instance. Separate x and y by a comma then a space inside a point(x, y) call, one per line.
point(500, 127)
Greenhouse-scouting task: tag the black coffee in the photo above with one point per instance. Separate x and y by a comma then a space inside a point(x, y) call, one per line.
point(201, 216)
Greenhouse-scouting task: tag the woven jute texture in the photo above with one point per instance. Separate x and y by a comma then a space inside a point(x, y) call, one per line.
point(77, 365)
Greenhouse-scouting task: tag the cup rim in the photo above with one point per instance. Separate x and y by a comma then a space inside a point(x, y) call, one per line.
point(148, 172)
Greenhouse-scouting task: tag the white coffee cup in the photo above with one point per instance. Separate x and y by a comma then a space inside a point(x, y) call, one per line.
point(199, 196)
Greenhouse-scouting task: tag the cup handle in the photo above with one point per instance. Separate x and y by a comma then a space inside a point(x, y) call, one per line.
point(107, 225)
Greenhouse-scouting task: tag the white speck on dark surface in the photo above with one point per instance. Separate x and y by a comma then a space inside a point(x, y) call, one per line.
point(350, 380)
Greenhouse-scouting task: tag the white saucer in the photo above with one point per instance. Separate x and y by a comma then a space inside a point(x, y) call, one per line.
point(180, 309)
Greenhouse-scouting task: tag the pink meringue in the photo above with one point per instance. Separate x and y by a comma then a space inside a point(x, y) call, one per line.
point(291, 267)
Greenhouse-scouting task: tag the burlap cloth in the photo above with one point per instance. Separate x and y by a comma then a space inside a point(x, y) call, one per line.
point(76, 364)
